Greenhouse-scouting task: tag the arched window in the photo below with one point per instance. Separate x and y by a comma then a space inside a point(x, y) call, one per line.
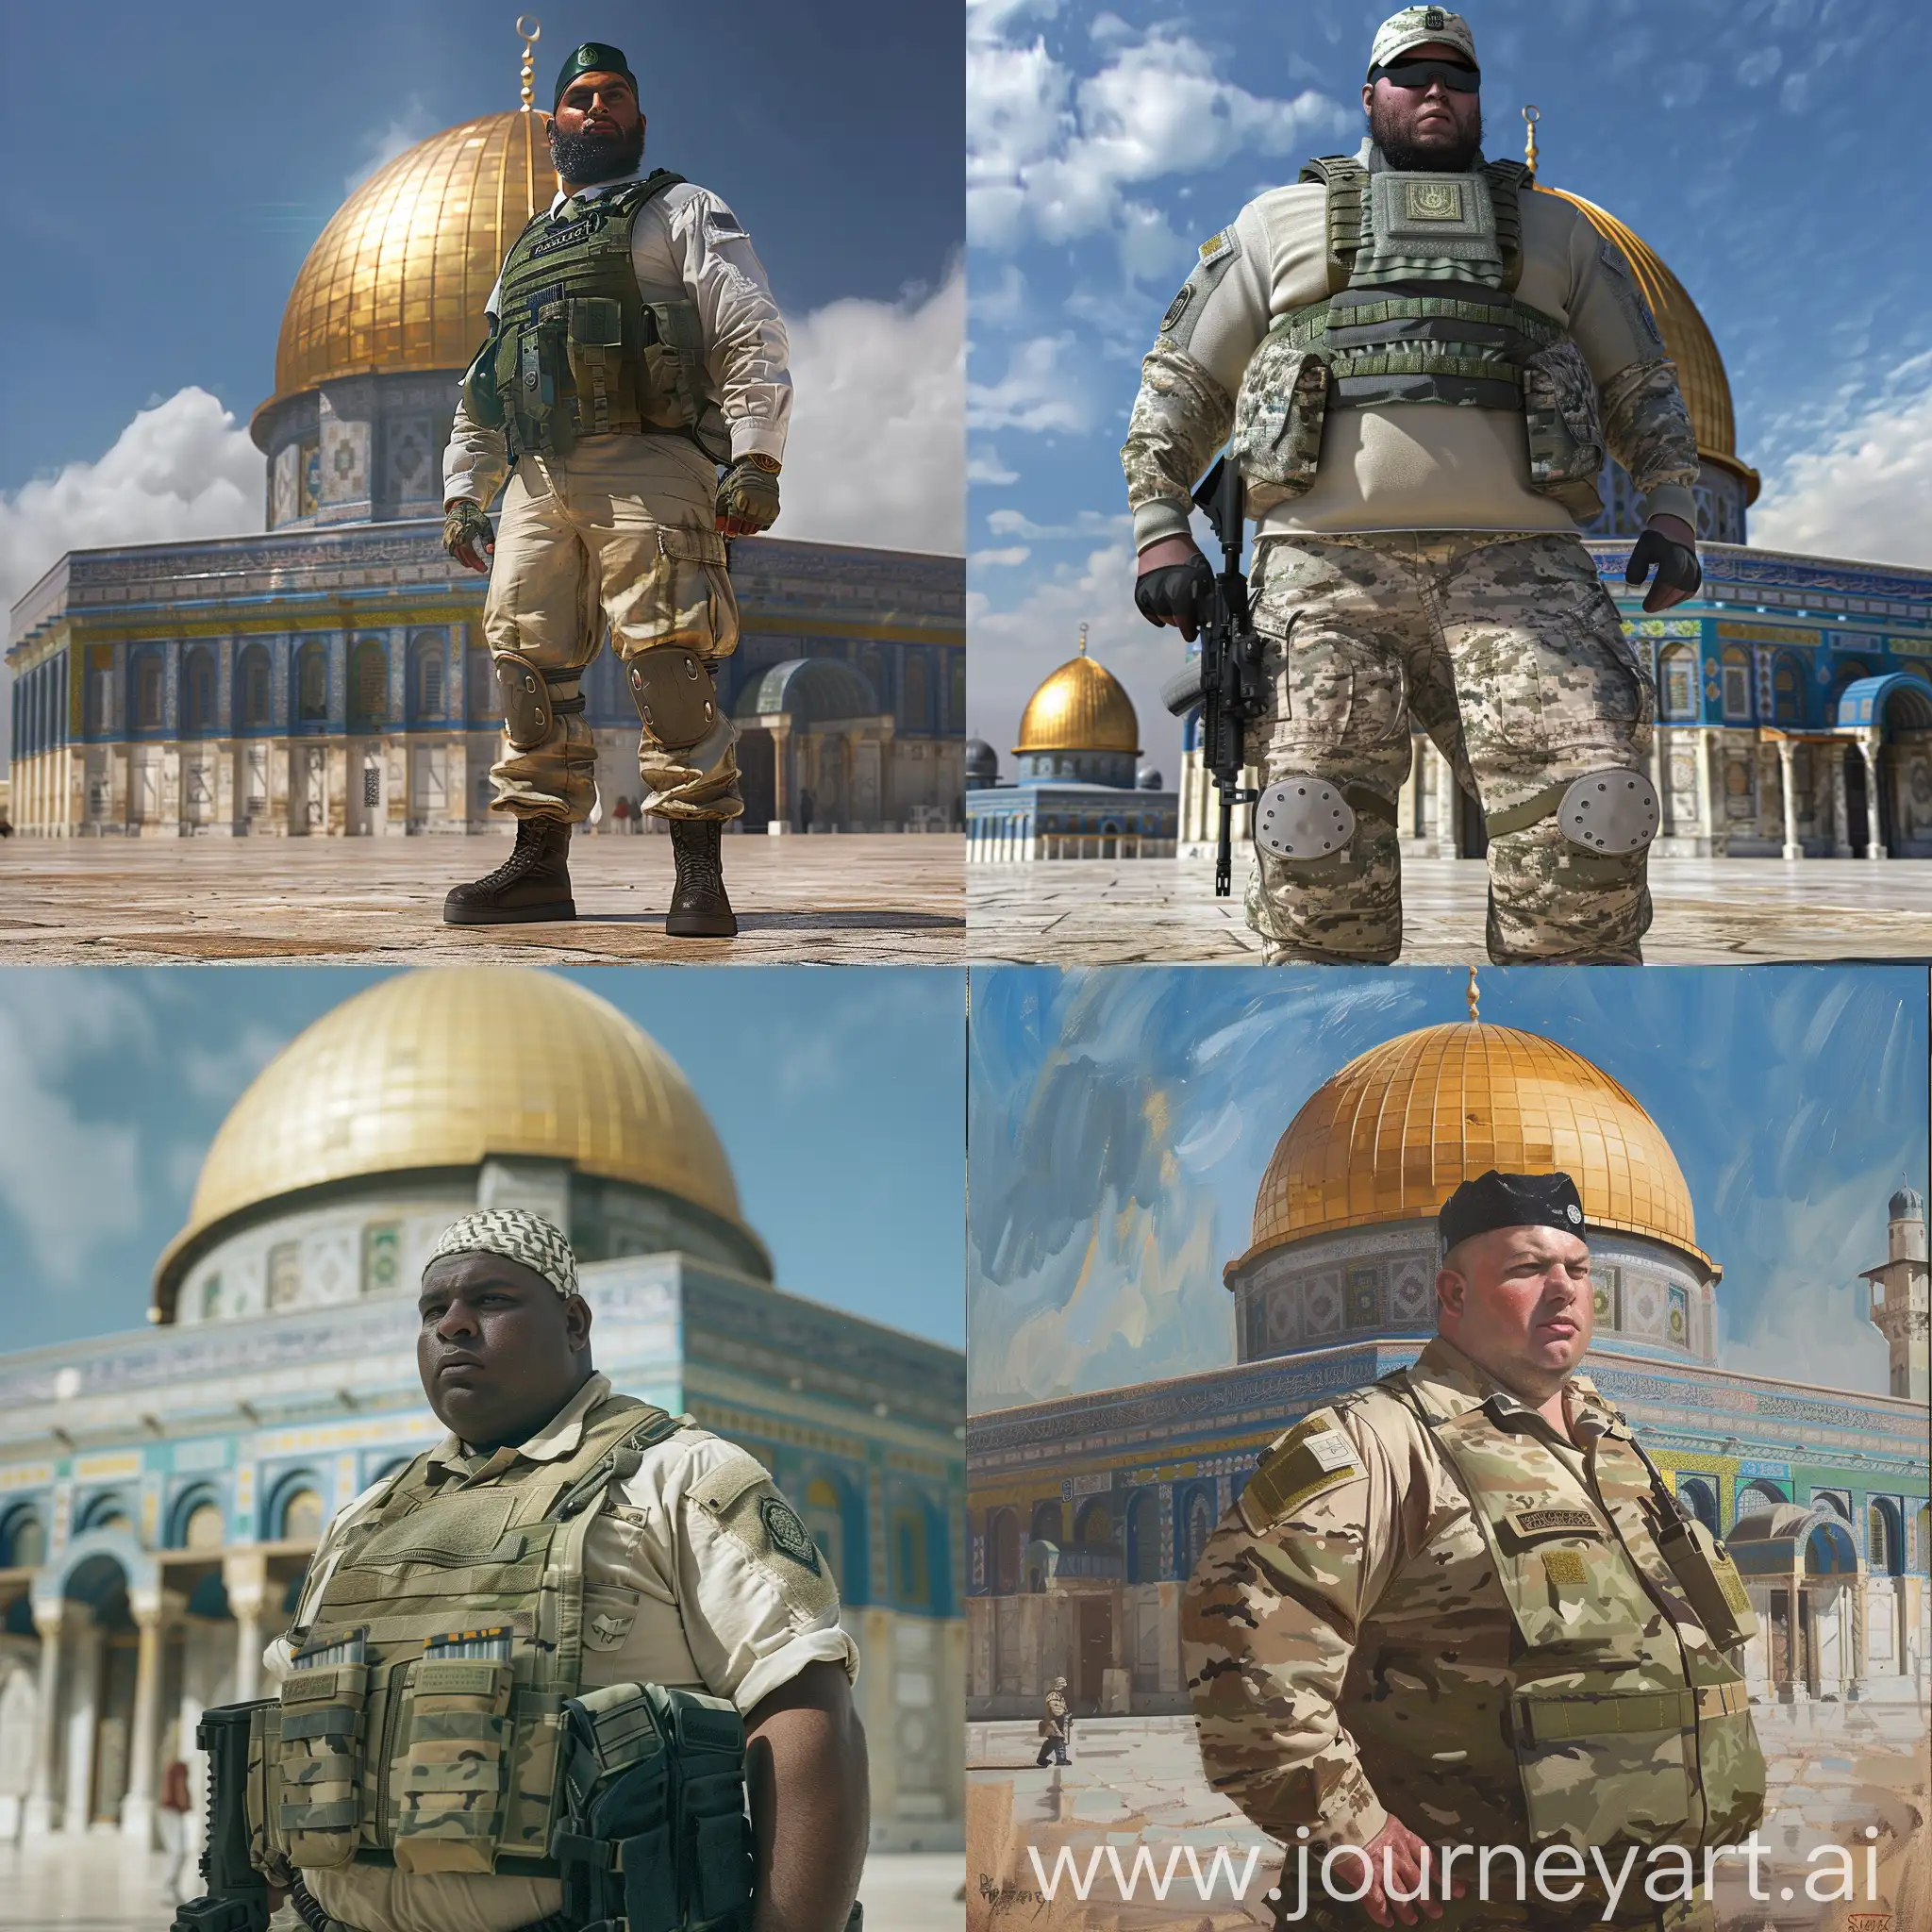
point(427, 683)
point(1787, 691)
point(918, 697)
point(1003, 1553)
point(825, 1516)
point(206, 1527)
point(199, 692)
point(911, 1580)
point(148, 700)
point(1737, 687)
point(369, 684)
point(256, 687)
point(1200, 1524)
point(1047, 1523)
point(110, 1510)
point(1678, 679)
point(311, 686)
point(1702, 1500)
point(1093, 1525)
point(301, 1516)
point(22, 1540)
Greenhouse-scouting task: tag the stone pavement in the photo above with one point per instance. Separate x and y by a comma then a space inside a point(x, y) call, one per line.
point(875, 899)
point(102, 1887)
point(1158, 911)
point(1833, 1770)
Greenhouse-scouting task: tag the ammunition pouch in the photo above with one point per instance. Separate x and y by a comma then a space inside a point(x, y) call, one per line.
point(676, 697)
point(481, 402)
point(529, 702)
point(1563, 417)
point(1709, 1581)
point(1278, 420)
point(653, 1830)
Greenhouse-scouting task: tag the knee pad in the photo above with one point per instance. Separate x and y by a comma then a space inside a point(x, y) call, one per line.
point(675, 696)
point(1615, 812)
point(1302, 818)
point(530, 698)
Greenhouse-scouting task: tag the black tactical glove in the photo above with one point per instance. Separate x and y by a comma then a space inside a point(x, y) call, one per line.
point(1178, 592)
point(1677, 569)
point(466, 533)
point(748, 495)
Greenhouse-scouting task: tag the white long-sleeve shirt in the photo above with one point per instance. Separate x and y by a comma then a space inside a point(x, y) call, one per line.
point(686, 245)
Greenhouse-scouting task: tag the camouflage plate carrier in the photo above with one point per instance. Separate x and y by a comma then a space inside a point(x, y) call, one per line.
point(1626, 1728)
point(577, 351)
point(398, 1740)
point(1421, 308)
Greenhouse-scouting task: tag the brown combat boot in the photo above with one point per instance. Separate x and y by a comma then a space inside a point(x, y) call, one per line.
point(533, 883)
point(699, 910)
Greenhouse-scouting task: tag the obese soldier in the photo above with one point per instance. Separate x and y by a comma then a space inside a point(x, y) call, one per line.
point(634, 349)
point(561, 1542)
point(1421, 362)
point(1459, 1608)
point(1056, 1725)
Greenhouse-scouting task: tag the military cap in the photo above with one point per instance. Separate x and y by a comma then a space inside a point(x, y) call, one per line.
point(516, 1234)
point(598, 56)
point(1415, 27)
point(1510, 1200)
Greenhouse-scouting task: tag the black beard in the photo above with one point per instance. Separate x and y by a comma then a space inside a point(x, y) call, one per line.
point(1401, 150)
point(595, 156)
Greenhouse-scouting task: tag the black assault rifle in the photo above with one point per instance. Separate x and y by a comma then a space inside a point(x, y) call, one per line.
point(1226, 678)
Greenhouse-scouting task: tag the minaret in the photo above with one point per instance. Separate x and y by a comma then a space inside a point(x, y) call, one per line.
point(1898, 1305)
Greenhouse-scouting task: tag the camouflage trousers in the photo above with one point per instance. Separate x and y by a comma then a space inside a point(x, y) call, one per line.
point(620, 533)
point(1509, 652)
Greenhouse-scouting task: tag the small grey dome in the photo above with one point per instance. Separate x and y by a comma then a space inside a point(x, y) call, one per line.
point(1908, 1205)
point(1147, 779)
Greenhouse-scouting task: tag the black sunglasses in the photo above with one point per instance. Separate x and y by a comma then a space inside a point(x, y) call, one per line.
point(1418, 74)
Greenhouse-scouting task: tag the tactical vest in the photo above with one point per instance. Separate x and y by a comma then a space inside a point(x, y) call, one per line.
point(578, 352)
point(1421, 308)
point(1619, 1719)
point(421, 1726)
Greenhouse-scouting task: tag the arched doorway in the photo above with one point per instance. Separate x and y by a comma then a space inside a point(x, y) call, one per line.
point(1143, 1537)
point(1895, 710)
point(1003, 1553)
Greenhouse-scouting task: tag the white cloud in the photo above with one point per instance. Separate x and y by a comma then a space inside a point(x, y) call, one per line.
point(383, 144)
point(1864, 493)
point(1009, 558)
point(180, 469)
point(71, 1186)
point(877, 448)
point(985, 467)
point(1039, 393)
point(1087, 523)
point(1051, 157)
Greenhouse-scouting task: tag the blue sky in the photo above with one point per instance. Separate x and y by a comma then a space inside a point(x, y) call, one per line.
point(1763, 148)
point(839, 1096)
point(163, 175)
point(1121, 1120)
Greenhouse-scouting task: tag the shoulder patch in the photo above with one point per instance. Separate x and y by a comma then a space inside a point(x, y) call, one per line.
point(1223, 247)
point(1314, 1456)
point(741, 1499)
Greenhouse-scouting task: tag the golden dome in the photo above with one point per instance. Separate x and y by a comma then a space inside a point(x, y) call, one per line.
point(442, 1068)
point(1399, 1128)
point(1082, 706)
point(398, 280)
point(1688, 339)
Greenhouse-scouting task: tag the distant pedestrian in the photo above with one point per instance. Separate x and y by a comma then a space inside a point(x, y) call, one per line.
point(1057, 1726)
point(172, 1818)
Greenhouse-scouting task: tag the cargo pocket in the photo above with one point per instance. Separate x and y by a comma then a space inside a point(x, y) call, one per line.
point(1563, 419)
point(1600, 1768)
point(683, 596)
point(1277, 421)
point(314, 1755)
point(1730, 1760)
point(720, 1854)
point(594, 343)
point(536, 1726)
point(446, 1777)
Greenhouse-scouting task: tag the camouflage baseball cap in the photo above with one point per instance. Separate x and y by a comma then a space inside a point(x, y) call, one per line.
point(1415, 27)
point(1510, 1200)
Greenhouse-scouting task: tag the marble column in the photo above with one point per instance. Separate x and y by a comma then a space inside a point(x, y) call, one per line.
point(137, 1805)
point(1785, 755)
point(1448, 795)
point(245, 1575)
point(83, 1720)
point(50, 1620)
point(1874, 843)
point(1709, 799)
point(1841, 806)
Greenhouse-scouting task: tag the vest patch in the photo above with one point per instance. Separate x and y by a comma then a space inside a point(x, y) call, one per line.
point(606, 1632)
point(1553, 1522)
point(1433, 201)
point(1221, 247)
point(1313, 1457)
point(1565, 1566)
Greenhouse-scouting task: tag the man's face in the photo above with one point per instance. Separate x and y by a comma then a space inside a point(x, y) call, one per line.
point(499, 1350)
point(597, 130)
point(1433, 128)
point(1517, 1302)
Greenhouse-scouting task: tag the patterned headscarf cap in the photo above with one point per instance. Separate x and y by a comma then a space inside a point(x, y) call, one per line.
point(517, 1235)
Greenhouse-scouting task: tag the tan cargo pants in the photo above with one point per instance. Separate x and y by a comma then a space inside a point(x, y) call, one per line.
point(620, 532)
point(1510, 653)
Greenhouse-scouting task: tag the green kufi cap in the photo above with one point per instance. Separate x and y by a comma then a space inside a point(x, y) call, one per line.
point(594, 57)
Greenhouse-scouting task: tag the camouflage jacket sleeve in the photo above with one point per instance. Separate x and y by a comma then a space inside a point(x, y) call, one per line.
point(1270, 1621)
point(1645, 422)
